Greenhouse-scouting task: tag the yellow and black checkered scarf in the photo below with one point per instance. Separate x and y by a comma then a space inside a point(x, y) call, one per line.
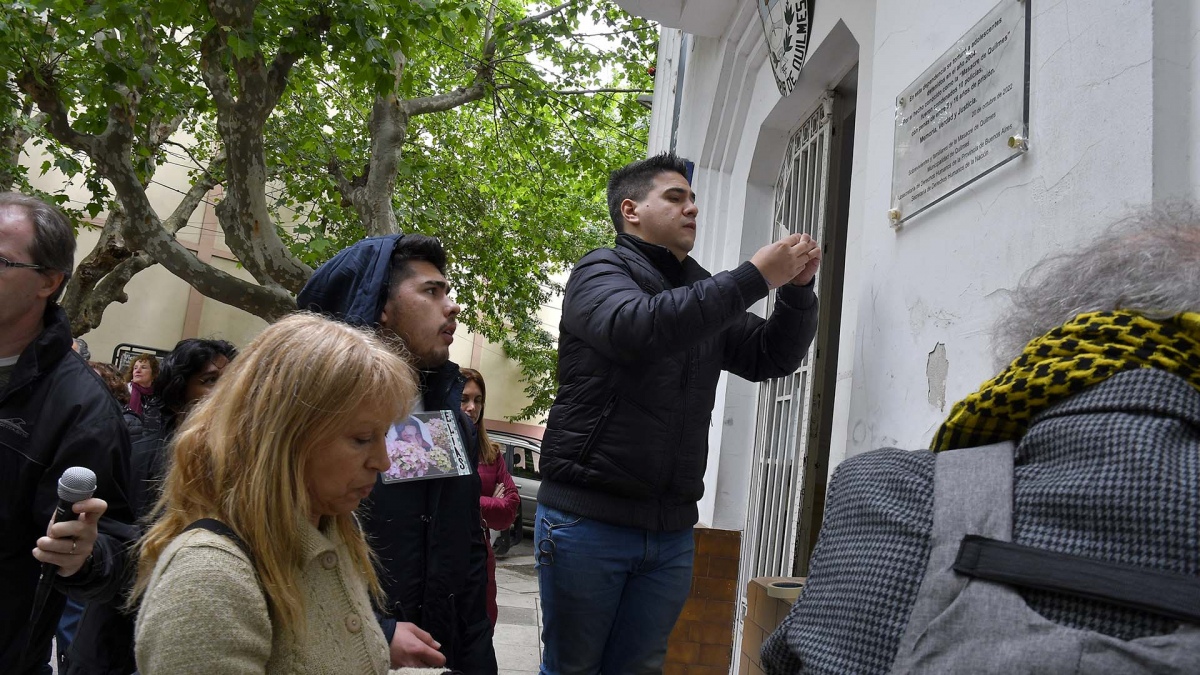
point(1082, 352)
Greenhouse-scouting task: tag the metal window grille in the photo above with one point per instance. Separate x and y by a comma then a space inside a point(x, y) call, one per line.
point(784, 404)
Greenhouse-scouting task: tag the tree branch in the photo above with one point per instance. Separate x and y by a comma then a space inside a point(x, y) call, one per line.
point(315, 26)
point(42, 89)
point(195, 195)
point(487, 29)
point(269, 302)
point(215, 77)
point(596, 91)
point(244, 214)
point(443, 102)
point(538, 17)
point(344, 184)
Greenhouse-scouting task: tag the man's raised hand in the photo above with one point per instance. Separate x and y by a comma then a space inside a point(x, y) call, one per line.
point(794, 259)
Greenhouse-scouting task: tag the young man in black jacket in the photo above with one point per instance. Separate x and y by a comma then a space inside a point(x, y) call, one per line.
point(55, 413)
point(428, 534)
point(645, 334)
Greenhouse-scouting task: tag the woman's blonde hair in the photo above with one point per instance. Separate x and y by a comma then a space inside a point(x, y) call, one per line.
point(240, 456)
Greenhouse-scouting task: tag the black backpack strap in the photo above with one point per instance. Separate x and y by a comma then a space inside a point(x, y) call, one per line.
point(217, 527)
point(1176, 596)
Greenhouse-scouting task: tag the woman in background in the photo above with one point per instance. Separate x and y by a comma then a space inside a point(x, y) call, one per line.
point(142, 371)
point(256, 562)
point(104, 643)
point(498, 498)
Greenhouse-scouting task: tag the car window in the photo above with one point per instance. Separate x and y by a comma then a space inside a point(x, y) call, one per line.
point(526, 462)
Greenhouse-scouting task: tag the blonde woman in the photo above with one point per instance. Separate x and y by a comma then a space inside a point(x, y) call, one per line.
point(255, 562)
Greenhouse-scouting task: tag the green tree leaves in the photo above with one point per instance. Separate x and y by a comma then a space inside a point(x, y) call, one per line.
point(491, 125)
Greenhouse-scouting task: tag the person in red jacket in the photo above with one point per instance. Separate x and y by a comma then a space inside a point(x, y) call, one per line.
point(498, 496)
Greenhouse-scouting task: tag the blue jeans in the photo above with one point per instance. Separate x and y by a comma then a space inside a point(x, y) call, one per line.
point(610, 594)
point(68, 624)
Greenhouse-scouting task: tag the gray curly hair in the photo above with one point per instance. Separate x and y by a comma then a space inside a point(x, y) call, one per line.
point(1148, 262)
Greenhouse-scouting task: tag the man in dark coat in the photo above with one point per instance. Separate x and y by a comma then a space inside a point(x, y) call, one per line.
point(55, 413)
point(645, 334)
point(428, 534)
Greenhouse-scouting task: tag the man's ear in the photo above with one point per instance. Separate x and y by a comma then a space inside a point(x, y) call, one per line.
point(629, 212)
point(51, 280)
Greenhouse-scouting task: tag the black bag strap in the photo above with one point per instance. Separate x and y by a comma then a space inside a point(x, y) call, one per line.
point(217, 527)
point(1175, 596)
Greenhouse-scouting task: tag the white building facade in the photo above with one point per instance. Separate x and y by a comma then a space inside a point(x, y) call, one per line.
point(1113, 124)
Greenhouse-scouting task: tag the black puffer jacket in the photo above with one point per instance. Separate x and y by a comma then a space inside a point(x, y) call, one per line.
point(55, 413)
point(428, 536)
point(642, 342)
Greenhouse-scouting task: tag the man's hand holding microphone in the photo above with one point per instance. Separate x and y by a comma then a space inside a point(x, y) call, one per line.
point(69, 539)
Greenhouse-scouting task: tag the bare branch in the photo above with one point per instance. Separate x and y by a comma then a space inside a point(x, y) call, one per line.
point(653, 26)
point(487, 29)
point(443, 102)
point(194, 196)
point(595, 91)
point(88, 311)
point(160, 133)
point(538, 17)
point(266, 301)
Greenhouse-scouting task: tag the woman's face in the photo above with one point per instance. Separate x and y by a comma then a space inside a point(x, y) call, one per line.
point(343, 467)
point(410, 433)
point(201, 382)
point(142, 374)
point(472, 401)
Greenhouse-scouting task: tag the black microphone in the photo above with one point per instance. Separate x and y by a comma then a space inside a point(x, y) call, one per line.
point(77, 484)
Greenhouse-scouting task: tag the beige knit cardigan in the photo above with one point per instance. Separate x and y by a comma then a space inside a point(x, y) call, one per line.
point(204, 612)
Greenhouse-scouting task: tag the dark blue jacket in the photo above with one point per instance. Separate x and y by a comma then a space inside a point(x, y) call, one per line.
point(643, 339)
point(428, 534)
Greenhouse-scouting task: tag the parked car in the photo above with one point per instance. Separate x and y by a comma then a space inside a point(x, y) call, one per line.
point(524, 455)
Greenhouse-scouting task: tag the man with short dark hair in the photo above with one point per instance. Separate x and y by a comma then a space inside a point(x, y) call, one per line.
point(55, 413)
point(428, 534)
point(645, 334)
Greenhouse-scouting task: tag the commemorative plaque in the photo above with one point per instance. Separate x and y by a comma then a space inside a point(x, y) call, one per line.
point(966, 115)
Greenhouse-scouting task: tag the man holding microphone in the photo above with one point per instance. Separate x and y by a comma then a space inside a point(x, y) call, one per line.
point(55, 414)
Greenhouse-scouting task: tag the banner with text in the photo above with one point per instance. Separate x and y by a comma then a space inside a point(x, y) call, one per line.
point(965, 115)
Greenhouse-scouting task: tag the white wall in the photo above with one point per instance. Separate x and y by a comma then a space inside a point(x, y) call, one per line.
point(1113, 125)
point(942, 278)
